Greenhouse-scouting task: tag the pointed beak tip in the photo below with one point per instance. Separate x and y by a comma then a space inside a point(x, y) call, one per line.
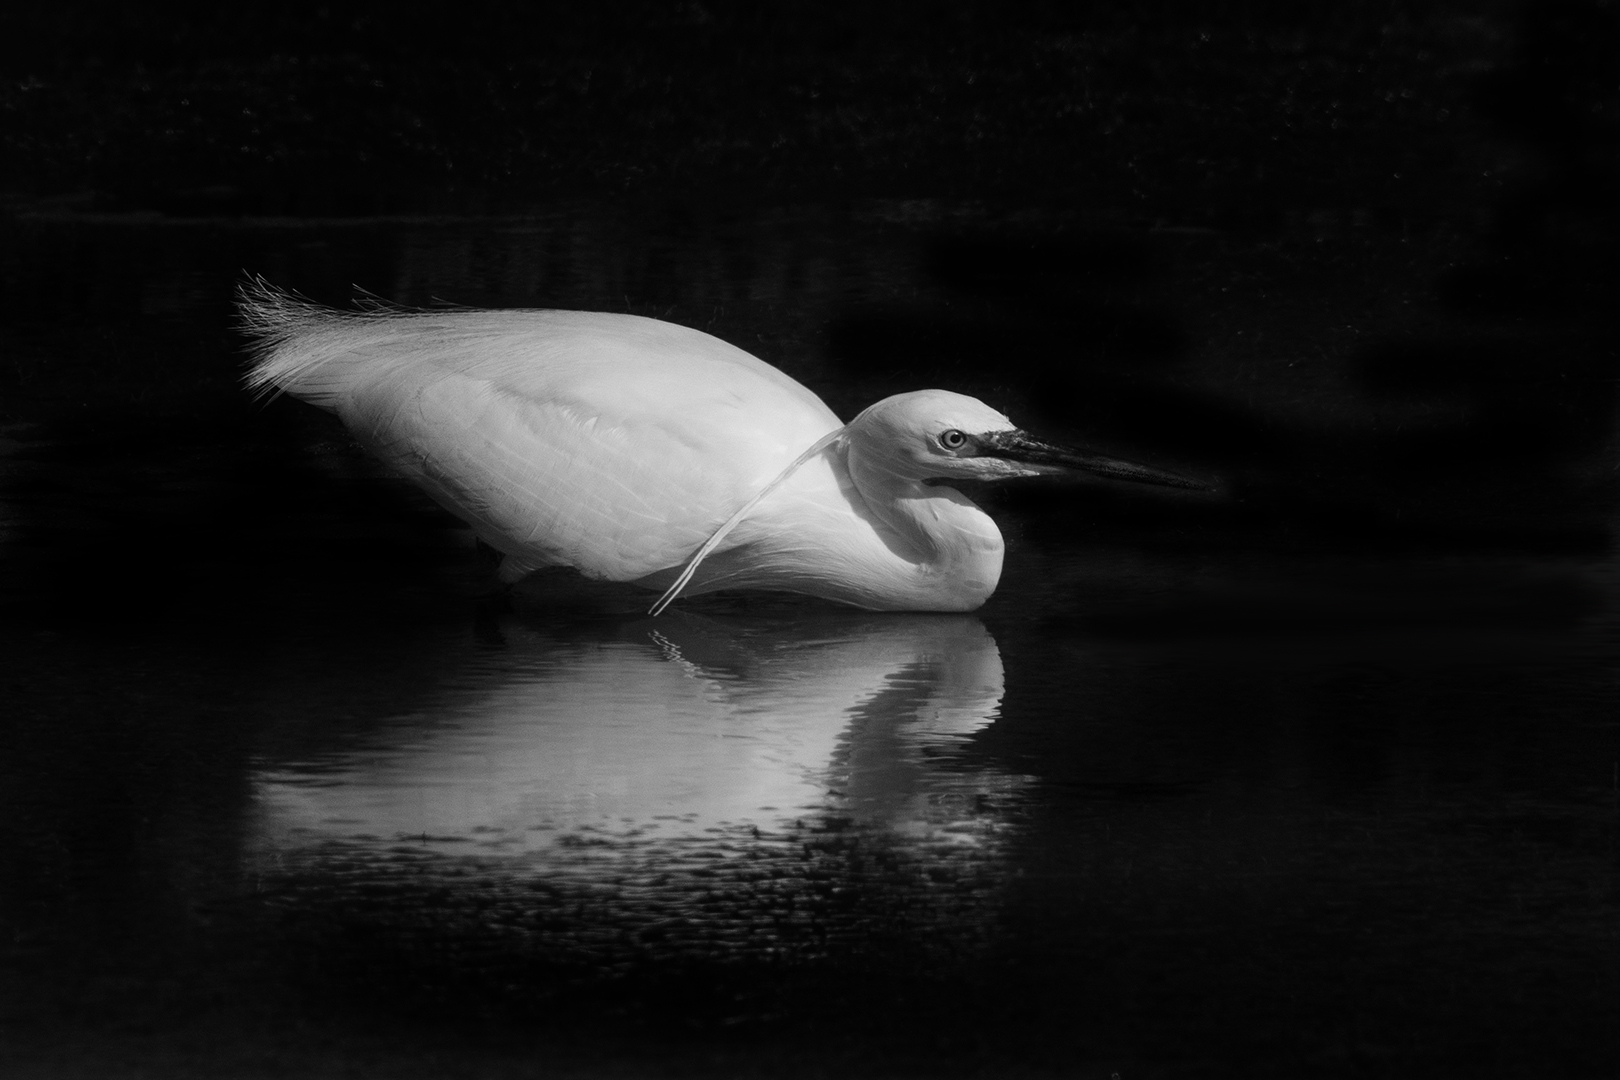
point(1199, 484)
point(1172, 480)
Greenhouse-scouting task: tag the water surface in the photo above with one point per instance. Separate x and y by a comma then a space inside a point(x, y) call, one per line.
point(1315, 776)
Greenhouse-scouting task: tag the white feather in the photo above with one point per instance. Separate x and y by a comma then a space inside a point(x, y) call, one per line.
point(628, 448)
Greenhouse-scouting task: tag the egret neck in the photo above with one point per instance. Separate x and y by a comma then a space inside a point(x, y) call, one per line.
point(953, 548)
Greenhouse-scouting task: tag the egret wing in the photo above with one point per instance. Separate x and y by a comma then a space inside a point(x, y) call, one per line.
point(609, 443)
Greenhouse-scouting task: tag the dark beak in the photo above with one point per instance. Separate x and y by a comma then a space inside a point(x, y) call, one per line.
point(1022, 446)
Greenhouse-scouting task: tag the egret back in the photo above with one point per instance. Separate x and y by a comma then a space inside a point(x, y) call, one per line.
point(610, 443)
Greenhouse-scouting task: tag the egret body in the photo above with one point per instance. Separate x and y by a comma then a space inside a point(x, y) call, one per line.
point(638, 450)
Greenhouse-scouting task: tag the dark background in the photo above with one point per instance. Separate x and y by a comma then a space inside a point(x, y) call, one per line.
point(1356, 266)
point(1442, 172)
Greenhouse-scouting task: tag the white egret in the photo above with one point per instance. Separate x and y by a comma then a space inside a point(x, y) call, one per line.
point(642, 451)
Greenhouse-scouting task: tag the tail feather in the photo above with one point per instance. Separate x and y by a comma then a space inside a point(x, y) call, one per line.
point(297, 343)
point(285, 331)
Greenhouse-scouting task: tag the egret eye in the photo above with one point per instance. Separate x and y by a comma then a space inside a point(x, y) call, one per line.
point(952, 439)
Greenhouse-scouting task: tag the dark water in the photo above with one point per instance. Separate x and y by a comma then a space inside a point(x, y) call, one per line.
point(1314, 775)
point(1272, 782)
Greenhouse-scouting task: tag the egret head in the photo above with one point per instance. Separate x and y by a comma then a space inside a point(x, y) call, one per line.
point(935, 435)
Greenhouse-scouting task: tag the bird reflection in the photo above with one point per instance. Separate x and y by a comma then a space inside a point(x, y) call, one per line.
point(681, 731)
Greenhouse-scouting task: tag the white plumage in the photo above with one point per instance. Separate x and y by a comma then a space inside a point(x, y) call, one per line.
point(619, 445)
